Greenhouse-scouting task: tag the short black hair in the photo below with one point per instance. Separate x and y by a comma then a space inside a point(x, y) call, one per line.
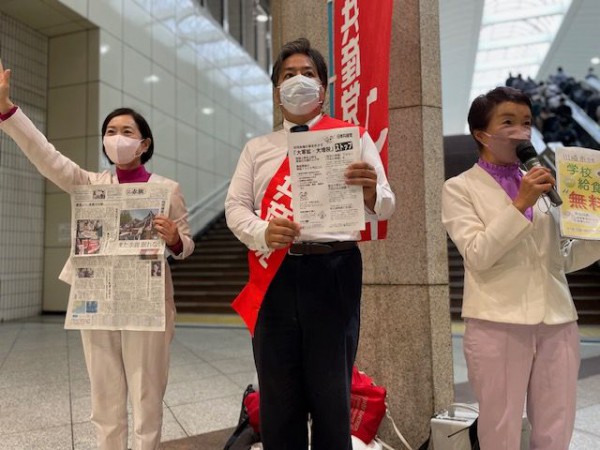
point(483, 106)
point(142, 125)
point(302, 46)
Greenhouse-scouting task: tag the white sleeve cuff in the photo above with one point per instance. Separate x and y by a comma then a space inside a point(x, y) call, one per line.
point(260, 240)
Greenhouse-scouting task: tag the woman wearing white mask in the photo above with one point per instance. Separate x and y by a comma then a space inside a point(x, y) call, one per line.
point(119, 363)
point(306, 329)
point(521, 338)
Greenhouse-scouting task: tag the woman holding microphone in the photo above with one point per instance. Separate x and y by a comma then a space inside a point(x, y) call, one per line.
point(521, 338)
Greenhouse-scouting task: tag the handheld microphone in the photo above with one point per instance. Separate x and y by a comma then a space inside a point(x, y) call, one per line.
point(528, 157)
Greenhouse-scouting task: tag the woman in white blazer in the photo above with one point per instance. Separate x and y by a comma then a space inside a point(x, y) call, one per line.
point(521, 338)
point(119, 363)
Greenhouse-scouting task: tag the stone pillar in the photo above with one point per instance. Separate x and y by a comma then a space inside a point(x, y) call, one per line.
point(405, 334)
point(294, 19)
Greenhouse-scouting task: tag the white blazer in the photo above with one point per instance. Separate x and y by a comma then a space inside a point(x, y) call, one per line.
point(514, 269)
point(66, 174)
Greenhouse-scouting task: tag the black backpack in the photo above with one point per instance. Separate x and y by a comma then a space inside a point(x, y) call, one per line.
point(244, 436)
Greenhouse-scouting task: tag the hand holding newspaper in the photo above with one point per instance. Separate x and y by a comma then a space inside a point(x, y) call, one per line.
point(117, 257)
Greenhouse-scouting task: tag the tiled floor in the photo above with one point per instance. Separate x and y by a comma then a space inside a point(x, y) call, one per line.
point(45, 399)
point(45, 395)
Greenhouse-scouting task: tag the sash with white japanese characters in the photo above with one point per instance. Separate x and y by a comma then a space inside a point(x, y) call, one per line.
point(277, 202)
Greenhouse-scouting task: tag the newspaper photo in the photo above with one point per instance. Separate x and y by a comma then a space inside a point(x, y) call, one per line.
point(117, 257)
point(578, 182)
point(117, 219)
point(117, 293)
point(322, 201)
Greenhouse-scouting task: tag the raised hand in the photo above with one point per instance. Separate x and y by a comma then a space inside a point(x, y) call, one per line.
point(5, 103)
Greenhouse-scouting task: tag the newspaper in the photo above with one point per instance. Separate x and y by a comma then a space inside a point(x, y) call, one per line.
point(578, 181)
point(117, 219)
point(322, 200)
point(117, 257)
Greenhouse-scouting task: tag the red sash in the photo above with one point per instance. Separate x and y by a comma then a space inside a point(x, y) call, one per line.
point(277, 202)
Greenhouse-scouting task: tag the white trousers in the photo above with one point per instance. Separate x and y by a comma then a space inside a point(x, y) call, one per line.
point(508, 363)
point(128, 362)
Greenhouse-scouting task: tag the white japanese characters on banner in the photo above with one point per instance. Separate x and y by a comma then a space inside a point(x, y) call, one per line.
point(361, 31)
point(350, 61)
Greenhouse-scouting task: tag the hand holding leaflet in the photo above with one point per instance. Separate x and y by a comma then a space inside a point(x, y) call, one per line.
point(323, 199)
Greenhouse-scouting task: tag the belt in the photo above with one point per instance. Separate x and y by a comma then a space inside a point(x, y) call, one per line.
point(319, 248)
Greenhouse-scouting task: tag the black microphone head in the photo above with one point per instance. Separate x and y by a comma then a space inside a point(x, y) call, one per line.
point(525, 151)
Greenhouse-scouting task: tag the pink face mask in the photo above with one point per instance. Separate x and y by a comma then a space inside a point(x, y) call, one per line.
point(121, 149)
point(503, 144)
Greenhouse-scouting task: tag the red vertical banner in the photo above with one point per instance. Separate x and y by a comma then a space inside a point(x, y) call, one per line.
point(360, 32)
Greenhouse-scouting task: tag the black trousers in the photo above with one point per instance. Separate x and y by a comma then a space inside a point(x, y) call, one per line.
point(304, 345)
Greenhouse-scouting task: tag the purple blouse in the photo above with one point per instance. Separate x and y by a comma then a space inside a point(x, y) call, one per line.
point(509, 178)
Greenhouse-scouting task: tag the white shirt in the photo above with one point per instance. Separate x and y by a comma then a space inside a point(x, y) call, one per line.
point(260, 159)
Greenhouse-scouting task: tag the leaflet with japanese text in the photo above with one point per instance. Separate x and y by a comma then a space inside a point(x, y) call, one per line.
point(322, 201)
point(578, 181)
point(117, 257)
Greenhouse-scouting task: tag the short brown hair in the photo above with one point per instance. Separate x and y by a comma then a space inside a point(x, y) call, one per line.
point(302, 46)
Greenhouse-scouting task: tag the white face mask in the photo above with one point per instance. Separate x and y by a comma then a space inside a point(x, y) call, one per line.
point(300, 95)
point(121, 149)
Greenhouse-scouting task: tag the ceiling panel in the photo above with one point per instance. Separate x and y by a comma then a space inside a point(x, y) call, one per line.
point(576, 42)
point(49, 17)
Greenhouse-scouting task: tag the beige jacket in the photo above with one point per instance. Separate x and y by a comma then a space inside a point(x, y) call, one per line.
point(514, 269)
point(66, 174)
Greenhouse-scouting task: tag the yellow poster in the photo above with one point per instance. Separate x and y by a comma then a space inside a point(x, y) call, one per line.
point(578, 182)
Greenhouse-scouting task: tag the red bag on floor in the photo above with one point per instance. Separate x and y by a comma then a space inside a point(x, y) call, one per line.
point(244, 436)
point(252, 404)
point(367, 406)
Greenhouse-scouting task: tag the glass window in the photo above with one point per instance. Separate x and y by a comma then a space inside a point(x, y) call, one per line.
point(215, 7)
point(248, 22)
point(235, 19)
point(514, 38)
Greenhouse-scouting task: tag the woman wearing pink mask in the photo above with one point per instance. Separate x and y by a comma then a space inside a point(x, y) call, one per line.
point(119, 363)
point(521, 338)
